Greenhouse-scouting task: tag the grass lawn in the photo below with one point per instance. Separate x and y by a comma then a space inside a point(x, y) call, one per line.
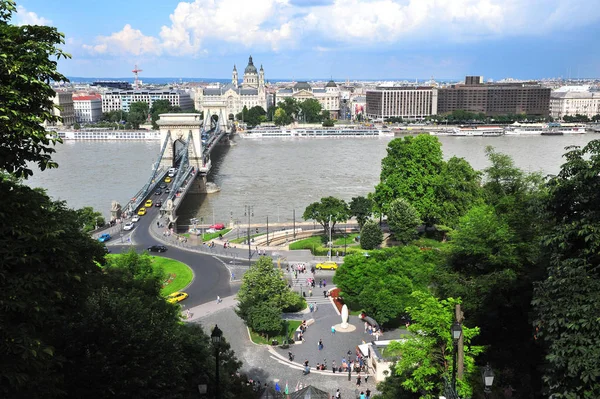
point(317, 245)
point(242, 239)
point(210, 236)
point(424, 242)
point(349, 239)
point(182, 274)
point(292, 326)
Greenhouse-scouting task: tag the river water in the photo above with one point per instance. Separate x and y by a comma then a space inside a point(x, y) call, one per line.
point(274, 176)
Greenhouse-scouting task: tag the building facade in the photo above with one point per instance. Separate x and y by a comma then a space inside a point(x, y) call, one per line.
point(88, 109)
point(231, 98)
point(495, 99)
point(120, 100)
point(64, 100)
point(412, 103)
point(574, 102)
point(328, 96)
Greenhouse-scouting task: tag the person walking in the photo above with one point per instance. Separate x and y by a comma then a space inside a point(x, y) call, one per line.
point(358, 379)
point(320, 344)
point(315, 306)
point(333, 366)
point(218, 299)
point(333, 330)
point(338, 395)
point(368, 393)
point(310, 292)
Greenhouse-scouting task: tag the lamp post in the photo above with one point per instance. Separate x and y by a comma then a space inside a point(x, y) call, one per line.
point(267, 230)
point(216, 340)
point(488, 379)
point(202, 227)
point(456, 333)
point(294, 223)
point(249, 211)
point(330, 243)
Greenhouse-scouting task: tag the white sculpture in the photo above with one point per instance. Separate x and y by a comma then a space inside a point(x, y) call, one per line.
point(345, 316)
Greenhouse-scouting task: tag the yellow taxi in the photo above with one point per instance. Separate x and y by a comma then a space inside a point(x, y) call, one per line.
point(329, 265)
point(176, 297)
point(142, 211)
point(148, 204)
point(167, 179)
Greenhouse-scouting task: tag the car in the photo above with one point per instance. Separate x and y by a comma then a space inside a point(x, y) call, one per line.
point(177, 297)
point(163, 186)
point(158, 192)
point(135, 219)
point(104, 237)
point(141, 211)
point(128, 226)
point(167, 179)
point(217, 226)
point(167, 190)
point(157, 248)
point(148, 203)
point(158, 204)
point(328, 265)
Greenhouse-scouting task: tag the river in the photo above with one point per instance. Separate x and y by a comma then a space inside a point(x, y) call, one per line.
point(274, 176)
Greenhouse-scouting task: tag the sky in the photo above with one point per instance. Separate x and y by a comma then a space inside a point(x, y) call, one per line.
point(319, 39)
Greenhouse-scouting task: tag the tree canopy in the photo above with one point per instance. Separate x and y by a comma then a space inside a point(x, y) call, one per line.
point(328, 207)
point(311, 110)
point(362, 209)
point(138, 113)
point(27, 65)
point(371, 235)
point(403, 220)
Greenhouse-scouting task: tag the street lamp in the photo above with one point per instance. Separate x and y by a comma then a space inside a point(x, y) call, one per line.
point(249, 211)
point(215, 336)
point(488, 380)
point(202, 227)
point(456, 333)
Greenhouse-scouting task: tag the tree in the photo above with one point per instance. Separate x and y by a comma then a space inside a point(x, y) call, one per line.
point(371, 235)
point(426, 354)
point(403, 220)
point(255, 115)
point(382, 283)
point(291, 107)
point(361, 209)
point(328, 123)
point(281, 117)
point(76, 126)
point(263, 284)
point(27, 65)
point(566, 301)
point(411, 170)
point(328, 207)
point(159, 107)
point(138, 113)
point(265, 319)
point(311, 110)
point(90, 219)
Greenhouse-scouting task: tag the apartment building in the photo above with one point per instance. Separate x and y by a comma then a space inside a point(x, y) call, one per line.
point(412, 103)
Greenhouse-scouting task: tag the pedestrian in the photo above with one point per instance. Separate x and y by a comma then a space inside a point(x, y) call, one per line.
point(315, 306)
point(333, 366)
point(325, 294)
point(362, 395)
point(368, 392)
point(338, 395)
point(320, 344)
point(310, 292)
point(157, 224)
point(187, 314)
point(358, 378)
point(310, 307)
point(218, 299)
point(324, 283)
point(366, 326)
point(366, 378)
point(333, 330)
point(321, 283)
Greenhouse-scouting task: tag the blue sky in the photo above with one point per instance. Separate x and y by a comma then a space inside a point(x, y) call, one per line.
point(343, 39)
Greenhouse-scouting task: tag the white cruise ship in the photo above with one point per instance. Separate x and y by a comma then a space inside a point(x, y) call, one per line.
point(474, 131)
point(340, 132)
point(107, 135)
point(534, 129)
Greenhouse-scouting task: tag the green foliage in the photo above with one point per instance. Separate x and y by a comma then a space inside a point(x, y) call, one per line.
point(263, 284)
point(114, 116)
point(411, 170)
point(427, 351)
point(371, 235)
point(265, 319)
point(281, 117)
point(27, 65)
point(403, 220)
point(382, 283)
point(138, 113)
point(328, 123)
point(76, 126)
point(362, 209)
point(311, 110)
point(159, 107)
point(577, 118)
point(566, 302)
point(90, 219)
point(255, 115)
point(328, 207)
point(291, 106)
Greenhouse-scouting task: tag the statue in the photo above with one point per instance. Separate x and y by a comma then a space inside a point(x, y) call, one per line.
point(115, 210)
point(345, 316)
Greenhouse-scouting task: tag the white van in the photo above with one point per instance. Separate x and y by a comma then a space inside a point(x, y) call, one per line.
point(172, 172)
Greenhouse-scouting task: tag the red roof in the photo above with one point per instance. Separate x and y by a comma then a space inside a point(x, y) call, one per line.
point(88, 98)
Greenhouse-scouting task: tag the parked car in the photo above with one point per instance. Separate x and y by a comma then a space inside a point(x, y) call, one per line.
point(104, 237)
point(148, 203)
point(135, 219)
point(141, 211)
point(328, 265)
point(158, 204)
point(157, 248)
point(217, 226)
point(177, 297)
point(128, 226)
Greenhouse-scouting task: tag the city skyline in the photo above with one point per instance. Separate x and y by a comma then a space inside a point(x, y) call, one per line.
point(317, 39)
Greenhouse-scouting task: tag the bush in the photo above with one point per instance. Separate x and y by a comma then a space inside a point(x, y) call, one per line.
point(298, 304)
point(371, 235)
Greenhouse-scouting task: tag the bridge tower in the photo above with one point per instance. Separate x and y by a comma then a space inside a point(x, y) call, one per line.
point(177, 128)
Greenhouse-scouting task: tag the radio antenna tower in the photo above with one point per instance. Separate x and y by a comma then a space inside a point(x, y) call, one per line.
point(136, 83)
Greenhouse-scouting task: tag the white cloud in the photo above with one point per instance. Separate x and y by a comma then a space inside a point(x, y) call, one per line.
point(128, 41)
point(25, 17)
point(275, 24)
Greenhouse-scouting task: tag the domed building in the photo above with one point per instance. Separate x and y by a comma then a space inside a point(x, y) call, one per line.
point(231, 98)
point(328, 96)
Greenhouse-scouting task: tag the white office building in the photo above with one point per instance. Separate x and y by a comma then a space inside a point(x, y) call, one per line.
point(573, 102)
point(88, 109)
point(117, 100)
point(64, 101)
point(328, 96)
point(412, 103)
